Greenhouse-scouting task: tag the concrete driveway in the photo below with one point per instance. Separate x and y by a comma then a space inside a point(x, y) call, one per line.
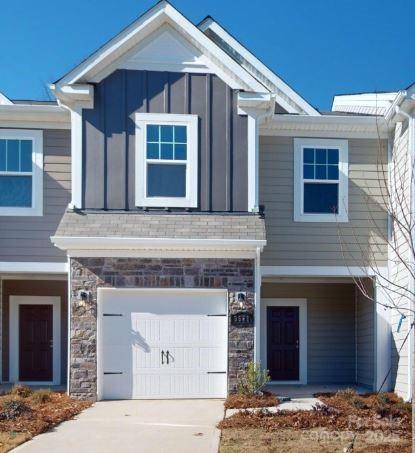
point(136, 426)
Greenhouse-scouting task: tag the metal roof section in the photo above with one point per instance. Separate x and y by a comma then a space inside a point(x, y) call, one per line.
point(364, 103)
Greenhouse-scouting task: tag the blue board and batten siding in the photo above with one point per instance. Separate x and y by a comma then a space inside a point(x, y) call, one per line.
point(109, 137)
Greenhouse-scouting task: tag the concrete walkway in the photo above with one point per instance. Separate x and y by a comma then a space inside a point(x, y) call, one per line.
point(166, 426)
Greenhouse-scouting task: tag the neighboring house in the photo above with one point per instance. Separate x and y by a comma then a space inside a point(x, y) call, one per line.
point(198, 213)
point(398, 109)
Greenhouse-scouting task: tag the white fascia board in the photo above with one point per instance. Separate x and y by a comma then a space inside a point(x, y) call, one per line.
point(34, 116)
point(326, 126)
point(320, 271)
point(282, 87)
point(117, 243)
point(33, 267)
point(143, 26)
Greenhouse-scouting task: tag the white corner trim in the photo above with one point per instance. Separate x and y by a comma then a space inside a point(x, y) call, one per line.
point(319, 271)
point(191, 198)
point(33, 267)
point(36, 136)
point(343, 181)
point(76, 160)
point(253, 164)
point(15, 302)
point(302, 305)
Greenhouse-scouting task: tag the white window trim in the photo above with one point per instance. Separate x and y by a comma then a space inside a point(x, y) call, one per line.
point(343, 147)
point(302, 305)
point(37, 174)
point(141, 199)
point(15, 302)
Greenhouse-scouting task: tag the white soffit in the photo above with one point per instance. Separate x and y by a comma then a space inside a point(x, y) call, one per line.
point(286, 97)
point(149, 23)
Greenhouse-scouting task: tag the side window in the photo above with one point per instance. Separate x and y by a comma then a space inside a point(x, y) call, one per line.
point(321, 180)
point(166, 160)
point(21, 172)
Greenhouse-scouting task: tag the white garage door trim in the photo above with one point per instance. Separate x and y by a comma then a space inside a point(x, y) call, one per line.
point(104, 293)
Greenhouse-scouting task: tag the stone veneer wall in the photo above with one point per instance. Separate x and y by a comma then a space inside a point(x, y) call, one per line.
point(91, 273)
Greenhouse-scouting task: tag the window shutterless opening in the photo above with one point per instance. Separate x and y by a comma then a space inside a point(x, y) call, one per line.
point(21, 172)
point(166, 160)
point(321, 180)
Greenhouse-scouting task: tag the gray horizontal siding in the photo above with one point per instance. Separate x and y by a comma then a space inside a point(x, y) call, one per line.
point(365, 337)
point(292, 243)
point(330, 328)
point(109, 137)
point(28, 238)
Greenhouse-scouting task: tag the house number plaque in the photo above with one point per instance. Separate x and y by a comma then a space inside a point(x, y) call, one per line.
point(242, 319)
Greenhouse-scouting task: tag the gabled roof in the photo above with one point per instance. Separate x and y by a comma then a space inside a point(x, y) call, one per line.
point(162, 13)
point(286, 97)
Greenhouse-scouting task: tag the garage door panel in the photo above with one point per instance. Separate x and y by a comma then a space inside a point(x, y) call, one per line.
point(133, 344)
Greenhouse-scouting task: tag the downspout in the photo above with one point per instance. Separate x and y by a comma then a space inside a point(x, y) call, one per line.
point(411, 306)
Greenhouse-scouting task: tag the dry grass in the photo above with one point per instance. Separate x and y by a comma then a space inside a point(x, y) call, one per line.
point(380, 423)
point(42, 411)
point(238, 401)
point(318, 440)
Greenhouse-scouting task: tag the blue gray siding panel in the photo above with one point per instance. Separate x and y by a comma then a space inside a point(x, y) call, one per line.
point(109, 137)
point(28, 238)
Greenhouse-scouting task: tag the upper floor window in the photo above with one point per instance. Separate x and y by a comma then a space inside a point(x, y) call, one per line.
point(166, 160)
point(21, 172)
point(320, 180)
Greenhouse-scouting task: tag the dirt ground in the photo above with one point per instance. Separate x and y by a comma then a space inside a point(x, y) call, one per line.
point(36, 413)
point(318, 440)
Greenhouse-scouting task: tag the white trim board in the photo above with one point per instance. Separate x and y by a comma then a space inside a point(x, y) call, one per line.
point(302, 305)
point(320, 271)
point(33, 267)
point(161, 13)
point(285, 95)
point(15, 302)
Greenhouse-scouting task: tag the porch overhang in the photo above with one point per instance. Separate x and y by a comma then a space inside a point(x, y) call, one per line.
point(152, 247)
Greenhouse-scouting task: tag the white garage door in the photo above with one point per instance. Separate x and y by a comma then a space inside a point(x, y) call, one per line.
point(162, 344)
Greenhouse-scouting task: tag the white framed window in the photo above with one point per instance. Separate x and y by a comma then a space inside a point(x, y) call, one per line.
point(320, 180)
point(21, 172)
point(166, 160)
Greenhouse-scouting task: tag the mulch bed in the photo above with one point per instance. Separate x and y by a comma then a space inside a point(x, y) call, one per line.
point(343, 411)
point(39, 416)
point(237, 401)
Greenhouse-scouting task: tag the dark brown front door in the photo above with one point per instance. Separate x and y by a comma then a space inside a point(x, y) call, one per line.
point(283, 343)
point(35, 343)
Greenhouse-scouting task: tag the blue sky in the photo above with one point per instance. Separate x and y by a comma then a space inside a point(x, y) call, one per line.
point(319, 47)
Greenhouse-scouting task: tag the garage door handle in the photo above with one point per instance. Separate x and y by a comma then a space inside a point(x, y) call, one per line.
point(167, 355)
point(162, 357)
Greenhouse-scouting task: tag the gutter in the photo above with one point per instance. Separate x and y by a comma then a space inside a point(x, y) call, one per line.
point(37, 114)
point(411, 306)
